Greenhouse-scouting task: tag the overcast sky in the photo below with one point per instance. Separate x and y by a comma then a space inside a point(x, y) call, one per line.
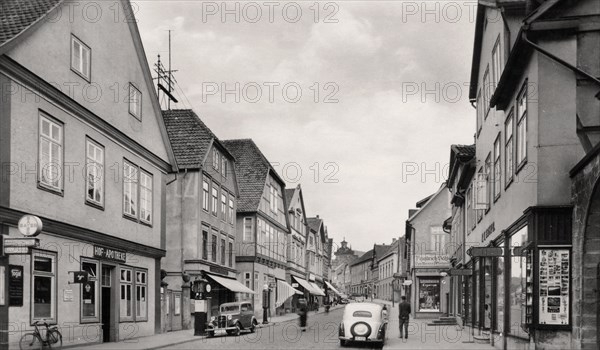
point(383, 95)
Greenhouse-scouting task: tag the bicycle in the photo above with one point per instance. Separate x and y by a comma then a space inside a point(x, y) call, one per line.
point(53, 339)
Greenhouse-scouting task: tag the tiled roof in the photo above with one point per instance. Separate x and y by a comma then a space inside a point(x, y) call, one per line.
point(251, 169)
point(314, 223)
point(18, 15)
point(381, 249)
point(190, 138)
point(464, 150)
point(363, 258)
point(289, 194)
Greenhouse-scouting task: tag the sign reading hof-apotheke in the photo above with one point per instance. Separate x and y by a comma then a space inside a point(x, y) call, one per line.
point(110, 254)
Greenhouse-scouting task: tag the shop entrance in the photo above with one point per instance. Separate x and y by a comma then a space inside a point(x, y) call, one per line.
point(109, 305)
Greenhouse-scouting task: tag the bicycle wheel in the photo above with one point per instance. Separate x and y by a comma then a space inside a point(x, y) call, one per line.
point(54, 339)
point(30, 341)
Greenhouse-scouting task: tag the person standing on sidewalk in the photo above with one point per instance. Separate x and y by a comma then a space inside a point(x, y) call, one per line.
point(302, 312)
point(403, 316)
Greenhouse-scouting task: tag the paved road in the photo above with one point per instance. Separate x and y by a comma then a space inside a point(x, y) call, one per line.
point(322, 333)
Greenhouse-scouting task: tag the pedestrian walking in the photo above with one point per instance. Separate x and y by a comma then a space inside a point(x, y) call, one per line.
point(303, 313)
point(403, 316)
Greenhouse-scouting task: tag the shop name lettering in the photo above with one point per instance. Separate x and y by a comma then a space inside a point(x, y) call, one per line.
point(488, 231)
point(16, 273)
point(110, 254)
point(432, 259)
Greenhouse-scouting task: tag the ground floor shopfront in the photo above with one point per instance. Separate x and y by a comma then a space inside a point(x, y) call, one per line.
point(429, 292)
point(95, 289)
point(521, 294)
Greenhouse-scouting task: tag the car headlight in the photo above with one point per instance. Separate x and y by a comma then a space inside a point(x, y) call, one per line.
point(212, 319)
point(229, 317)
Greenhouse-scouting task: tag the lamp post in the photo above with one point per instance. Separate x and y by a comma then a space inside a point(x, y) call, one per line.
point(200, 289)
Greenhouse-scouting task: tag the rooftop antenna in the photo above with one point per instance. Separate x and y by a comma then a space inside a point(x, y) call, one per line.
point(165, 76)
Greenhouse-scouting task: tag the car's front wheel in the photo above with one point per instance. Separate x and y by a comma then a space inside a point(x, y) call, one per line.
point(237, 329)
point(253, 326)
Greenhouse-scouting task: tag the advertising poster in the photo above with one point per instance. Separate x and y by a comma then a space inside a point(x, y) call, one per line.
point(429, 295)
point(554, 286)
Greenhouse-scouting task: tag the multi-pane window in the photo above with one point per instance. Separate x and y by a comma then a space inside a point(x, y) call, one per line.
point(438, 242)
point(255, 281)
point(231, 213)
point(135, 101)
point(205, 196)
point(145, 197)
point(51, 153)
point(215, 201)
point(248, 230)
point(130, 186)
point(204, 244)
point(94, 173)
point(224, 204)
point(497, 62)
point(486, 92)
point(141, 295)
point(479, 105)
point(223, 165)
point(213, 250)
point(497, 167)
point(273, 198)
point(508, 149)
point(247, 283)
point(126, 303)
point(80, 57)
point(216, 159)
point(230, 255)
point(43, 295)
point(488, 177)
point(522, 126)
point(89, 292)
point(223, 252)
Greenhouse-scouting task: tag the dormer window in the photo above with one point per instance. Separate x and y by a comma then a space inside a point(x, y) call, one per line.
point(81, 57)
point(216, 159)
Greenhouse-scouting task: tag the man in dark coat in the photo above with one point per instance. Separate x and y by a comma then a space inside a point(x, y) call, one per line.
point(302, 311)
point(403, 315)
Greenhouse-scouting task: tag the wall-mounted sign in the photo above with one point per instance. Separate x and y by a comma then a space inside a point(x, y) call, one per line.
point(16, 250)
point(15, 285)
point(110, 254)
point(428, 260)
point(488, 231)
point(554, 286)
point(67, 295)
point(30, 225)
point(461, 272)
point(21, 242)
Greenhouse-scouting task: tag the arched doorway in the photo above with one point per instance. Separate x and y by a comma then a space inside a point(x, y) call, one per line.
point(590, 308)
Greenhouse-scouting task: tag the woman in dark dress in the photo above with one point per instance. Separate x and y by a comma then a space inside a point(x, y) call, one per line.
point(302, 311)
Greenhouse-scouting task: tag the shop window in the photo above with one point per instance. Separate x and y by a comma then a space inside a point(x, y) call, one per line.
point(141, 296)
point(126, 305)
point(50, 153)
point(89, 292)
point(500, 294)
point(429, 295)
point(43, 286)
point(518, 281)
point(487, 290)
point(95, 173)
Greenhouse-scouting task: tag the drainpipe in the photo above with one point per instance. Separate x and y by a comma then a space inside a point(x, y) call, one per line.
point(181, 221)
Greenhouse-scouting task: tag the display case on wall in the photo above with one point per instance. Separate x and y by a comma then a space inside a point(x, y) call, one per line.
point(529, 289)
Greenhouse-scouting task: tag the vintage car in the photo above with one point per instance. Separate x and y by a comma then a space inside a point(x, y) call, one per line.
point(232, 319)
point(363, 322)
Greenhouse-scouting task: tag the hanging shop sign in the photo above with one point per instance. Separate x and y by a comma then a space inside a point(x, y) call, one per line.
point(15, 285)
point(485, 251)
point(79, 277)
point(554, 286)
point(110, 254)
point(21, 242)
point(460, 272)
point(30, 225)
point(16, 250)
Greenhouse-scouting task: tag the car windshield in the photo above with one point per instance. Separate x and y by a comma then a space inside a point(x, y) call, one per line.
point(230, 308)
point(365, 314)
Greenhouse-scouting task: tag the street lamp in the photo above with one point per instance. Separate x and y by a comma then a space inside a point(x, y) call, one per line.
point(265, 303)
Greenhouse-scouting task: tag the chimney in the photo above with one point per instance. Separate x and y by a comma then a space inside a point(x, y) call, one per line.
point(393, 240)
point(317, 216)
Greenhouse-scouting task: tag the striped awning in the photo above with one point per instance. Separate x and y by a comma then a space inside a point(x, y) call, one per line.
point(231, 284)
point(331, 288)
point(306, 285)
point(318, 291)
point(284, 291)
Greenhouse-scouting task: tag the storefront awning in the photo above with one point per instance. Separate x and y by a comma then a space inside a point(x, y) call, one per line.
point(306, 285)
point(284, 291)
point(318, 291)
point(231, 284)
point(331, 288)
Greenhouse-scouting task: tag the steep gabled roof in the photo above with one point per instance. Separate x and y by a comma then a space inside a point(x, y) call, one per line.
point(17, 16)
point(252, 169)
point(432, 197)
point(363, 258)
point(190, 138)
point(380, 249)
point(289, 194)
point(314, 223)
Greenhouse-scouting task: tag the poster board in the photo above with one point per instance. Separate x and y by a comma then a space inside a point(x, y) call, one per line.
point(2, 285)
point(554, 286)
point(15, 285)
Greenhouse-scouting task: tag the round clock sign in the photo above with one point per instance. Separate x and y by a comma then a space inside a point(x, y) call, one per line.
point(30, 225)
point(207, 288)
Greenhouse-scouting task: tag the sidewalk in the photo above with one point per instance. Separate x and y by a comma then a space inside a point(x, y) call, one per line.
point(423, 336)
point(158, 341)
